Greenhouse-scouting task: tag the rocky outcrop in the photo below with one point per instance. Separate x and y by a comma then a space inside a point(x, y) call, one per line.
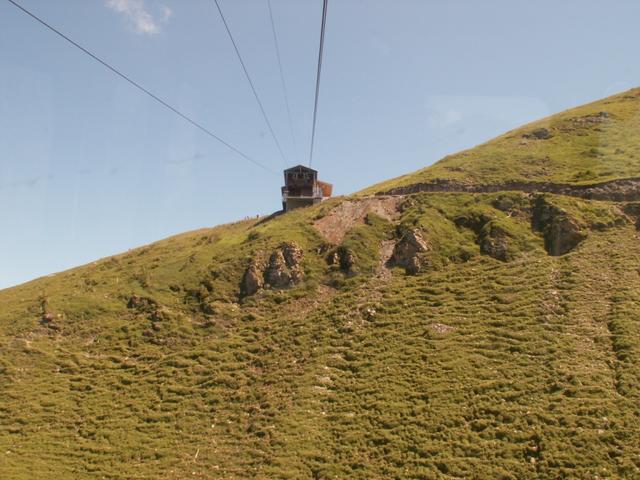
point(633, 210)
point(293, 255)
point(283, 270)
point(407, 252)
point(253, 280)
point(141, 303)
point(626, 190)
point(344, 259)
point(492, 239)
point(539, 134)
point(514, 205)
point(277, 274)
point(588, 120)
point(561, 232)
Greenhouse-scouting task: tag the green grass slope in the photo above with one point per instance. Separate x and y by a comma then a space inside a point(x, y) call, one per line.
point(508, 347)
point(585, 145)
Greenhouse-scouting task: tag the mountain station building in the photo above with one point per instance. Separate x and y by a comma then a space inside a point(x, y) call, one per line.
point(302, 188)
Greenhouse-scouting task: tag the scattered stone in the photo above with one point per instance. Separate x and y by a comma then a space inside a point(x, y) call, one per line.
point(599, 117)
point(441, 328)
point(160, 314)
point(369, 313)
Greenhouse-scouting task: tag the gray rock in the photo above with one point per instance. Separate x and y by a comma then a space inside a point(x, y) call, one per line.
point(253, 280)
point(277, 274)
point(283, 270)
point(561, 232)
point(495, 243)
point(407, 250)
point(539, 134)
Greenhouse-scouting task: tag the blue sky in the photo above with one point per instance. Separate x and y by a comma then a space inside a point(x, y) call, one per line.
point(90, 167)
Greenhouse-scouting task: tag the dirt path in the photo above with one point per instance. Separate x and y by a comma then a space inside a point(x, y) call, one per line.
point(615, 190)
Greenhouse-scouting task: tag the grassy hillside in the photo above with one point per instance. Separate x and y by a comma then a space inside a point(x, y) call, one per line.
point(589, 144)
point(427, 336)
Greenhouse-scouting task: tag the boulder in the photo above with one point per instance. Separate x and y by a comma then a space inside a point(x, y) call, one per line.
point(253, 280)
point(407, 250)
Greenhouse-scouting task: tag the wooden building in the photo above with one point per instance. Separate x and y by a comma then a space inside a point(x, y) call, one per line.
point(302, 188)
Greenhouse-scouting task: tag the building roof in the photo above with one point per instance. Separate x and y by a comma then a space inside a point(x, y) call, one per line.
point(300, 168)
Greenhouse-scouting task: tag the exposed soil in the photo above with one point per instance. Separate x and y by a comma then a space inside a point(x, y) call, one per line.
point(386, 252)
point(335, 225)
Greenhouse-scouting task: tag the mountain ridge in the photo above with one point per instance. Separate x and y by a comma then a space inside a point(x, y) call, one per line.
point(588, 144)
point(401, 332)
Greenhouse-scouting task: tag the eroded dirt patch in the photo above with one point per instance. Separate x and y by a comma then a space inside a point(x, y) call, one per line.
point(335, 225)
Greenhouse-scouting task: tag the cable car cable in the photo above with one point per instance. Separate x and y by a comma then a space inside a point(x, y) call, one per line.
point(141, 88)
point(284, 85)
point(320, 52)
point(253, 89)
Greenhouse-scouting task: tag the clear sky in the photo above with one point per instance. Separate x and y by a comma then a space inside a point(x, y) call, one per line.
point(91, 167)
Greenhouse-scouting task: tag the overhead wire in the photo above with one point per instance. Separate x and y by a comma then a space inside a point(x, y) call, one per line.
point(253, 88)
point(284, 84)
point(318, 77)
point(141, 88)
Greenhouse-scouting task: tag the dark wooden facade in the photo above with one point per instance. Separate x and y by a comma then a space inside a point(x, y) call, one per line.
point(302, 188)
